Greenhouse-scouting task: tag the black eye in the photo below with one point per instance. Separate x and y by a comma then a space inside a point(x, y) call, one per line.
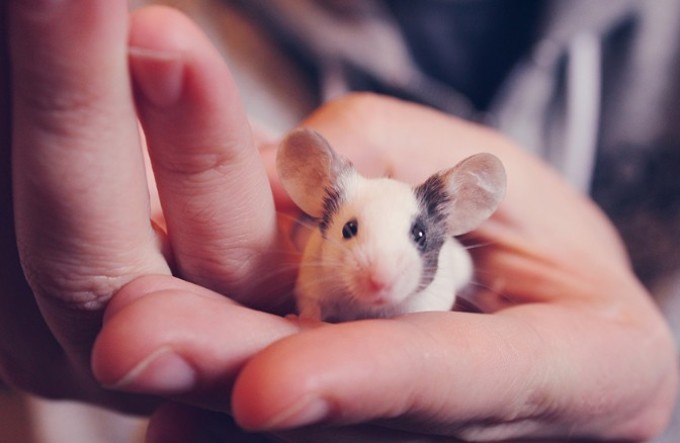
point(418, 235)
point(350, 229)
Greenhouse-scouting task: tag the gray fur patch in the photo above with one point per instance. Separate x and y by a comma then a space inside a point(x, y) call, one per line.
point(333, 199)
point(433, 201)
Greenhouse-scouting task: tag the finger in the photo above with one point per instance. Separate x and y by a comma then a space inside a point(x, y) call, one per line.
point(196, 357)
point(81, 206)
point(213, 187)
point(478, 377)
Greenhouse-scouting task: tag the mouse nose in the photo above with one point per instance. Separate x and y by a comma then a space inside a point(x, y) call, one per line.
point(377, 282)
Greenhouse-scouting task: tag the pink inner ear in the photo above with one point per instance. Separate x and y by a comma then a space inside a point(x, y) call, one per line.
point(477, 186)
point(307, 166)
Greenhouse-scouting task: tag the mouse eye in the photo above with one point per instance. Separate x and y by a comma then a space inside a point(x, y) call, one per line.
point(350, 229)
point(418, 235)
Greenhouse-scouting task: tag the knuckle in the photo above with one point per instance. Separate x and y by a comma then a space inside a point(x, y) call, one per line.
point(361, 107)
point(82, 272)
point(231, 272)
point(364, 101)
point(56, 112)
point(198, 165)
point(75, 288)
point(41, 99)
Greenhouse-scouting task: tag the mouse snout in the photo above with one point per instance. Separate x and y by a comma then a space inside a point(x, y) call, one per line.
point(378, 281)
point(376, 284)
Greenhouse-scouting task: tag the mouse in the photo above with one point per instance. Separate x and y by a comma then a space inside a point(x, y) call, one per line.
point(379, 246)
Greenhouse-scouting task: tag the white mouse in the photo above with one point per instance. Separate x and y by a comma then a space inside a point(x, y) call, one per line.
point(381, 247)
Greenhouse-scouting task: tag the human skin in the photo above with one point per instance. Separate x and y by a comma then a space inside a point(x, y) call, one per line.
point(78, 199)
point(570, 343)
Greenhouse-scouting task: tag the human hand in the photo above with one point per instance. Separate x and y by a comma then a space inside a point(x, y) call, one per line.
point(571, 347)
point(567, 314)
point(75, 190)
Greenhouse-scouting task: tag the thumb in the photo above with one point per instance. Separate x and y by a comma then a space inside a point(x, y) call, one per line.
point(471, 376)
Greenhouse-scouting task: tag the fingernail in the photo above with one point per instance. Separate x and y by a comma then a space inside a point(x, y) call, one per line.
point(309, 410)
point(157, 75)
point(163, 372)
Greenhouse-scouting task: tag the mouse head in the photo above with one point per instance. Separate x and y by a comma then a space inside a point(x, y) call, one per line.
point(383, 237)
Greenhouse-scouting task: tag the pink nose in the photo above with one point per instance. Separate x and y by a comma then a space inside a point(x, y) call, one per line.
point(377, 283)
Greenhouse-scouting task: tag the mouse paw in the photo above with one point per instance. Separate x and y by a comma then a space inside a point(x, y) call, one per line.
point(310, 312)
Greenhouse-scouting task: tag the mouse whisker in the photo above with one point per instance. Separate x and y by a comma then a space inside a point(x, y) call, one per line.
point(471, 246)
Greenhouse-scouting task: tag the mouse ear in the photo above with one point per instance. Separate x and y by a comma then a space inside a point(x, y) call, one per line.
point(475, 188)
point(308, 167)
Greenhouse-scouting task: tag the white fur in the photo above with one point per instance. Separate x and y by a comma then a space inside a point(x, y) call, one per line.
point(378, 272)
point(332, 274)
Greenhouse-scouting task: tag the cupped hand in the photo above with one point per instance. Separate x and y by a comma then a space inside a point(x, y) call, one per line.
point(570, 344)
point(75, 214)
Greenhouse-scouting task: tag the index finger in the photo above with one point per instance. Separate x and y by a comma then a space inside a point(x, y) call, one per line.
point(80, 198)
